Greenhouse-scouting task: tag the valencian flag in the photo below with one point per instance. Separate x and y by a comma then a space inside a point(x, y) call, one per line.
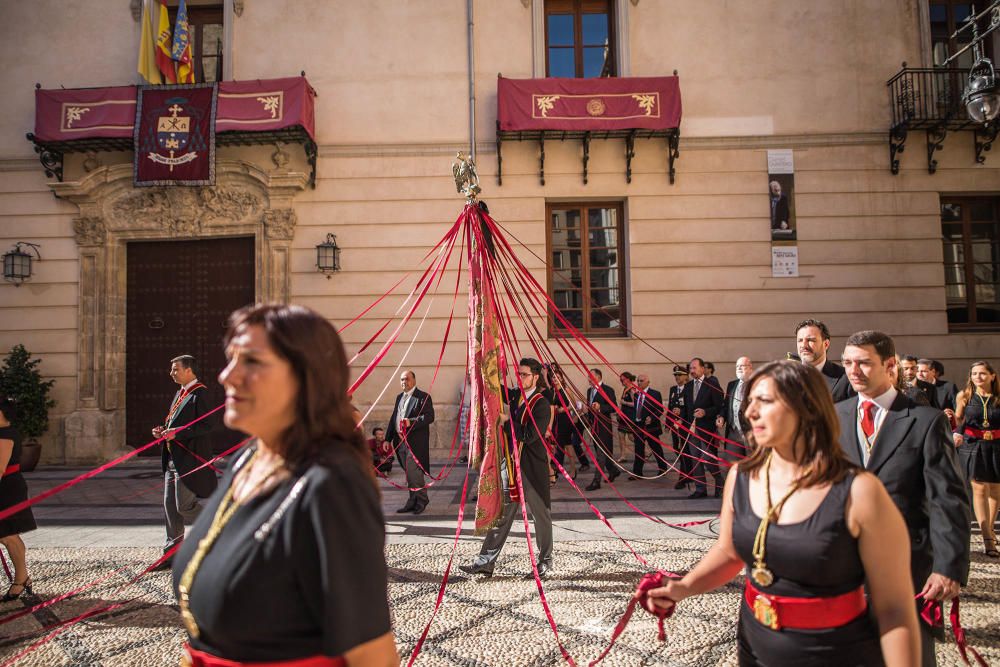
point(163, 59)
point(147, 48)
point(181, 51)
point(175, 135)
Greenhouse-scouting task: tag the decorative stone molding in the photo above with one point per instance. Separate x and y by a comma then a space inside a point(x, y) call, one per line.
point(246, 201)
point(90, 230)
point(136, 8)
point(238, 7)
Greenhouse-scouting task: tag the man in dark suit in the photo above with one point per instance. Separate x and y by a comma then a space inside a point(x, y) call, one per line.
point(779, 208)
point(530, 415)
point(409, 431)
point(703, 402)
point(812, 340)
point(909, 448)
point(649, 420)
point(729, 420)
point(186, 449)
point(675, 403)
point(923, 393)
point(930, 371)
point(601, 401)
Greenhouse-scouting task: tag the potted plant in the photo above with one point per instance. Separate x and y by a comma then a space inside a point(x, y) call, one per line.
point(21, 381)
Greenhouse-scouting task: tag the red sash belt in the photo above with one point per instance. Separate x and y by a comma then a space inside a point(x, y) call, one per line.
point(195, 658)
point(11, 469)
point(982, 435)
point(777, 612)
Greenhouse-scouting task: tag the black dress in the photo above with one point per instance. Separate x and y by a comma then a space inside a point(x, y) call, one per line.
point(13, 490)
point(817, 557)
point(314, 583)
point(988, 454)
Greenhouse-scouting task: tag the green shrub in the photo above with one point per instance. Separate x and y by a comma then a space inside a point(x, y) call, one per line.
point(21, 381)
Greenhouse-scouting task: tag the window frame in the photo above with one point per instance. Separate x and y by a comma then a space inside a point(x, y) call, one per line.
point(952, 26)
point(577, 9)
point(968, 259)
point(555, 330)
point(198, 17)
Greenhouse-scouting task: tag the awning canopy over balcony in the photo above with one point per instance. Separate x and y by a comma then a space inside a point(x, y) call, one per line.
point(263, 111)
point(585, 109)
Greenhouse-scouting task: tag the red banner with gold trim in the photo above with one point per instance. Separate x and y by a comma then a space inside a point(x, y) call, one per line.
point(175, 135)
point(652, 103)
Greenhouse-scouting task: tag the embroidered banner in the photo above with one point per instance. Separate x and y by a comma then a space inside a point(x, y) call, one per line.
point(652, 103)
point(175, 135)
point(89, 113)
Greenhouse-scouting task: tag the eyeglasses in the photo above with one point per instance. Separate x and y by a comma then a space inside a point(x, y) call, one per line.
point(526, 375)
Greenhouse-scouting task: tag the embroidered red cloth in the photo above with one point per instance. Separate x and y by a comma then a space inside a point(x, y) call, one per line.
point(651, 103)
point(175, 135)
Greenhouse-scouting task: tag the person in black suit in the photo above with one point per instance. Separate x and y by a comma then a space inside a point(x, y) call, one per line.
point(931, 371)
point(186, 449)
point(675, 403)
point(812, 340)
point(909, 447)
point(923, 393)
point(703, 402)
point(779, 208)
point(601, 402)
point(530, 416)
point(409, 432)
point(649, 422)
point(729, 420)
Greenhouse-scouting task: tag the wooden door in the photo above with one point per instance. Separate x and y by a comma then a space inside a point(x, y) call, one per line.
point(179, 297)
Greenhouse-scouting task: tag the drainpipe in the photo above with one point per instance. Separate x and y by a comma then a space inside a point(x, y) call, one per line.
point(472, 82)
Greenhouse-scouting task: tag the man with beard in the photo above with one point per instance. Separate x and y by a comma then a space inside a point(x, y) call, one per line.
point(812, 340)
point(729, 421)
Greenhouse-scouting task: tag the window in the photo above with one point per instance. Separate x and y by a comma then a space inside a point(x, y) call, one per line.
point(579, 38)
point(947, 16)
point(586, 270)
point(970, 228)
point(205, 26)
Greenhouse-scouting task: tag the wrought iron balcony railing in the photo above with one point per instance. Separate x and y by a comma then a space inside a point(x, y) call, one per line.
point(930, 99)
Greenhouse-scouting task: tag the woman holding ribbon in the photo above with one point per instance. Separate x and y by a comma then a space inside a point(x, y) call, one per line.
point(285, 563)
point(13, 490)
point(811, 530)
point(977, 411)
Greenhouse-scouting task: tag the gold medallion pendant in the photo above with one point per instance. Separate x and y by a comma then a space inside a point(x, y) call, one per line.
point(987, 435)
point(762, 575)
point(765, 612)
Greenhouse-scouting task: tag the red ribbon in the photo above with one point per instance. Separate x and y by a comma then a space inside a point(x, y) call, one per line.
point(649, 581)
point(932, 612)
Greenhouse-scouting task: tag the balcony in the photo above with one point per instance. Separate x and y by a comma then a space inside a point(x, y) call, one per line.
point(930, 100)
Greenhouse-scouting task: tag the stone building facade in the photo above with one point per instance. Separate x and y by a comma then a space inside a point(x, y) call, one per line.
point(393, 107)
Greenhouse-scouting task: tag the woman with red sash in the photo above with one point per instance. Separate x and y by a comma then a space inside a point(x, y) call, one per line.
point(977, 437)
point(812, 531)
point(285, 565)
point(13, 490)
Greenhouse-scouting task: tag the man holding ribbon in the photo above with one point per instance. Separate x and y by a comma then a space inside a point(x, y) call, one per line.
point(186, 450)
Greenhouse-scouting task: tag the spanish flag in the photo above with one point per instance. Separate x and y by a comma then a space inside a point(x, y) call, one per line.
point(147, 59)
point(163, 60)
point(181, 51)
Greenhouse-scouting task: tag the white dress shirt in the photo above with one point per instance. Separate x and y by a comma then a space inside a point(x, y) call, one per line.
point(882, 402)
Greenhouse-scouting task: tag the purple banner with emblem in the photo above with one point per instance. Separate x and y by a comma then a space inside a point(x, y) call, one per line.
point(175, 135)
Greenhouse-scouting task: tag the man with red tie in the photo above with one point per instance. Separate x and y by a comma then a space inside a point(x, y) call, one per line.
point(185, 451)
point(909, 448)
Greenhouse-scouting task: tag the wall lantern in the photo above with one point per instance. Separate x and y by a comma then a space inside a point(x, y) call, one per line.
point(328, 255)
point(981, 96)
point(17, 263)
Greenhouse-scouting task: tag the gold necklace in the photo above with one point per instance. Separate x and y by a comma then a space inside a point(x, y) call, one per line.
point(760, 572)
point(227, 508)
point(986, 408)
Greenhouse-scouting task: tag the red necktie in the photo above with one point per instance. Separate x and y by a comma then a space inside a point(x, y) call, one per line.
point(868, 418)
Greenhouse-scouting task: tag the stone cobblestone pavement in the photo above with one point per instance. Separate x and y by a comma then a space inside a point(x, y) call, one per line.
point(114, 521)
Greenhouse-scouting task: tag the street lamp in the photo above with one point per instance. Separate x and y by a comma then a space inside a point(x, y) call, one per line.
point(981, 96)
point(17, 263)
point(328, 255)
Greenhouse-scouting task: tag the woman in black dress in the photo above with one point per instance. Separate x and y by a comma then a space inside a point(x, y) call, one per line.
point(562, 421)
point(13, 490)
point(286, 561)
point(626, 420)
point(977, 411)
point(811, 530)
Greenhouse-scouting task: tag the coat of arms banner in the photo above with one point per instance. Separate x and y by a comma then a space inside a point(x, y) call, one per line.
point(175, 135)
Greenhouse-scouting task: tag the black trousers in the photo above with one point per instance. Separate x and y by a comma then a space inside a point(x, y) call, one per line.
point(604, 452)
point(705, 461)
point(655, 448)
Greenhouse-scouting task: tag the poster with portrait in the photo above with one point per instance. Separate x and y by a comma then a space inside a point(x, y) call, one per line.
point(781, 194)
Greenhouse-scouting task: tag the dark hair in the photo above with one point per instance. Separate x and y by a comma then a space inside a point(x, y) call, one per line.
point(938, 367)
point(323, 419)
point(8, 408)
point(803, 389)
point(823, 331)
point(535, 367)
point(627, 375)
point(882, 342)
point(710, 366)
point(908, 357)
point(698, 359)
point(597, 372)
point(377, 429)
point(186, 361)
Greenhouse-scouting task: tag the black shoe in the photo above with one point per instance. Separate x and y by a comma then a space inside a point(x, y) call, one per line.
point(544, 571)
point(408, 507)
point(613, 476)
point(718, 492)
point(680, 485)
point(593, 486)
point(698, 494)
point(419, 509)
point(25, 588)
point(485, 570)
point(632, 478)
